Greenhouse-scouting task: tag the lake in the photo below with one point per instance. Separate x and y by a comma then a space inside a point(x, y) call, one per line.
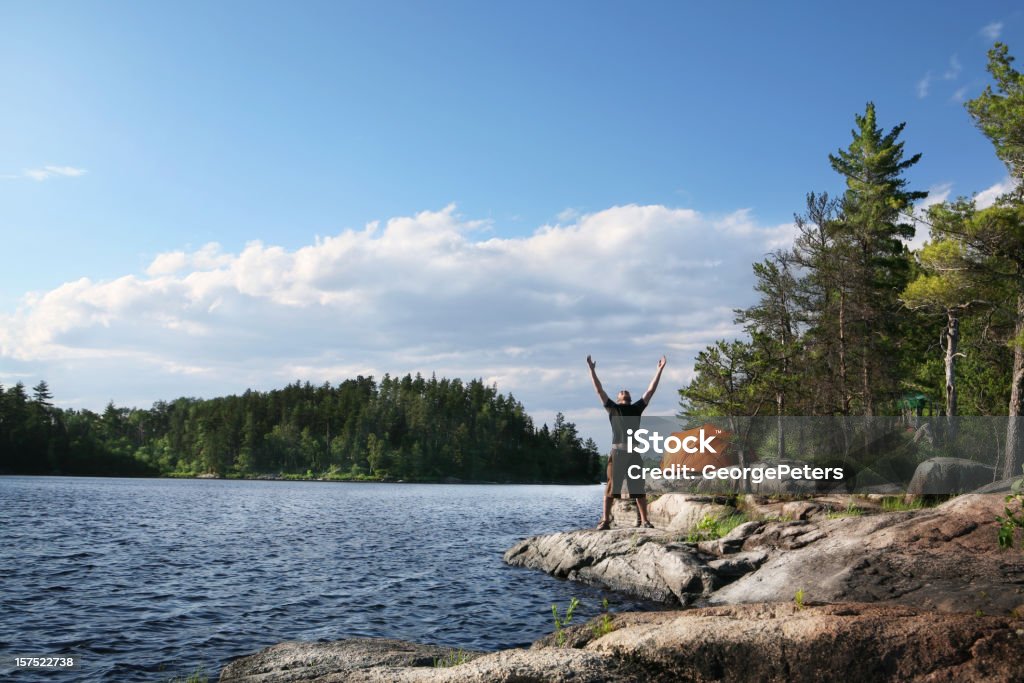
point(150, 579)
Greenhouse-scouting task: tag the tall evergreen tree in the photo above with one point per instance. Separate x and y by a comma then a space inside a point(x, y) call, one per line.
point(772, 326)
point(876, 220)
point(824, 296)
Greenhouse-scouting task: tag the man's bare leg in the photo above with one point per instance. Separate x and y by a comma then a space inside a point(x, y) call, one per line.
point(606, 510)
point(641, 505)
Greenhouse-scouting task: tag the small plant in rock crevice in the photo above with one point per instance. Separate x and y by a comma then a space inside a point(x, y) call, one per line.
point(605, 624)
point(451, 658)
point(711, 527)
point(561, 623)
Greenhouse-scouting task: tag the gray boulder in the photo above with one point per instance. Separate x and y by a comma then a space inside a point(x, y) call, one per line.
point(949, 476)
point(642, 562)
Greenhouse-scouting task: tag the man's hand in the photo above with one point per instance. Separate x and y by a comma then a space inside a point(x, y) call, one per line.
point(649, 394)
point(597, 383)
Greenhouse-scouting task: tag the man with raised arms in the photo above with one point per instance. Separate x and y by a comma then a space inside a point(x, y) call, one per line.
point(624, 415)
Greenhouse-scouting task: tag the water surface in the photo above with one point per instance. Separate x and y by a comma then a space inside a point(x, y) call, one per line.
point(148, 579)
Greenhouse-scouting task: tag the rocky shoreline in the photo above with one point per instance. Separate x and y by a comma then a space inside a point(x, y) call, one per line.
point(944, 558)
point(803, 590)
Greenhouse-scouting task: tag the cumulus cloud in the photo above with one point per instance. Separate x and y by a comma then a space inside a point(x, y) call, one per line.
point(209, 257)
point(988, 196)
point(992, 31)
point(432, 292)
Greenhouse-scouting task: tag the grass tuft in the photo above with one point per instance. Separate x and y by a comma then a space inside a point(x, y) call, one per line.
point(850, 511)
point(712, 527)
point(900, 505)
point(605, 624)
point(451, 658)
point(560, 623)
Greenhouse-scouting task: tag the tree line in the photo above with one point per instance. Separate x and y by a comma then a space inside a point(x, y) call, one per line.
point(408, 428)
point(850, 321)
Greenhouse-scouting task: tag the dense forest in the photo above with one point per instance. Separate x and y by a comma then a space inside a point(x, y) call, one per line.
point(850, 321)
point(398, 429)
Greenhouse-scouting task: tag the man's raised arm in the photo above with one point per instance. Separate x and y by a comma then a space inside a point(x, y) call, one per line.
point(597, 383)
point(649, 394)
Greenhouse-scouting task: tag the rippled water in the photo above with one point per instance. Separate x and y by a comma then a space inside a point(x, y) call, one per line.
point(149, 579)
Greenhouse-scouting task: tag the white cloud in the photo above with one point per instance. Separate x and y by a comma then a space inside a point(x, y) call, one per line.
point(954, 69)
point(992, 31)
point(988, 197)
point(168, 263)
point(46, 172)
point(426, 293)
point(69, 171)
point(936, 195)
point(940, 193)
point(960, 94)
point(924, 85)
point(209, 257)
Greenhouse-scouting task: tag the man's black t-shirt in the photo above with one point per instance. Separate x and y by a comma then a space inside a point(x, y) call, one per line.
point(623, 417)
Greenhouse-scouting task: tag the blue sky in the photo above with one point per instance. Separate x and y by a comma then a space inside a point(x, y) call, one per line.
point(185, 187)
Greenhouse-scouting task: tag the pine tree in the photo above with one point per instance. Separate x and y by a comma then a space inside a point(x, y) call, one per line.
point(992, 255)
point(823, 304)
point(946, 289)
point(875, 222)
point(41, 394)
point(772, 326)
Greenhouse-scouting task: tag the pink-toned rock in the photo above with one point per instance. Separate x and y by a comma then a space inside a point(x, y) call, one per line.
point(739, 643)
